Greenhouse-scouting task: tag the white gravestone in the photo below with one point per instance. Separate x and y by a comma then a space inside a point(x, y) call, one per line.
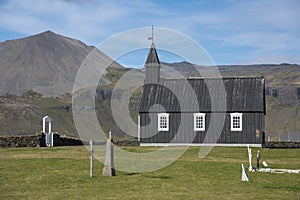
point(244, 174)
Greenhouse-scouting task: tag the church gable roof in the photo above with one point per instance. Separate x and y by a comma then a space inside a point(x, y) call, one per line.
point(243, 94)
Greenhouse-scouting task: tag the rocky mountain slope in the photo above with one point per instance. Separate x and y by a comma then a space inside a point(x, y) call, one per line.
point(46, 63)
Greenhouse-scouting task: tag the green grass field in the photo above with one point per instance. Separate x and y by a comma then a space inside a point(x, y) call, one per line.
point(63, 173)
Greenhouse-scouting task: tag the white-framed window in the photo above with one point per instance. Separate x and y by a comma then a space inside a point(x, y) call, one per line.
point(163, 121)
point(199, 121)
point(236, 121)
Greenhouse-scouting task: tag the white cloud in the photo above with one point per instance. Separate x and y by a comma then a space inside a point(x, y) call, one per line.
point(75, 19)
point(263, 26)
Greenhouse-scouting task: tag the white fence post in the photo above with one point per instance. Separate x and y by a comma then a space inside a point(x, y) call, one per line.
point(139, 127)
point(250, 158)
point(91, 157)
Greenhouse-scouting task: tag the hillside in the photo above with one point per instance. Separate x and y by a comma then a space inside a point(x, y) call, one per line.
point(275, 75)
point(46, 63)
point(22, 114)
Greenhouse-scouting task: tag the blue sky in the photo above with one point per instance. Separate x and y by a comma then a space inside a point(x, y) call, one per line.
point(231, 31)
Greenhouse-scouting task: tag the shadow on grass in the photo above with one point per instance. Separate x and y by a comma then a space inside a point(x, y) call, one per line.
point(160, 177)
point(132, 174)
point(152, 176)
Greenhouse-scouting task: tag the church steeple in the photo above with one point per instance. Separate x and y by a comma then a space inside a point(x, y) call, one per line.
point(152, 65)
point(152, 57)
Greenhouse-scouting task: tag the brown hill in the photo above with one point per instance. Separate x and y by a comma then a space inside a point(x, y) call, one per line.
point(46, 63)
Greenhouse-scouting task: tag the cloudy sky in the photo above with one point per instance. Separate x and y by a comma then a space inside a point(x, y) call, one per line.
point(231, 31)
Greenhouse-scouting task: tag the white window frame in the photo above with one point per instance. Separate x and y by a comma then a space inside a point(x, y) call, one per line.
point(240, 115)
point(159, 118)
point(196, 115)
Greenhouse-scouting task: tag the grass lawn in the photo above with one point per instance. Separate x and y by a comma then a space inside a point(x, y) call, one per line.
point(63, 173)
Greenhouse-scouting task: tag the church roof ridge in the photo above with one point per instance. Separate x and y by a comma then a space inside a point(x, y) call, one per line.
point(152, 57)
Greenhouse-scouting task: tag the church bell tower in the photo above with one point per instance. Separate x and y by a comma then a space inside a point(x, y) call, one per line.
point(152, 65)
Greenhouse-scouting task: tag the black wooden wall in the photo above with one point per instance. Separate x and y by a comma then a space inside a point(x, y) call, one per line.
point(181, 129)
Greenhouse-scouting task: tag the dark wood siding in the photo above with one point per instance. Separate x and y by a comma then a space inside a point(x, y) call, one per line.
point(181, 129)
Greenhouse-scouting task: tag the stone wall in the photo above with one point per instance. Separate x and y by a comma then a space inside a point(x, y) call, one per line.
point(59, 140)
point(38, 140)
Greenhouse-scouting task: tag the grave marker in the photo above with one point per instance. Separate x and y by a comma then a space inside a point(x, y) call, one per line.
point(109, 169)
point(244, 174)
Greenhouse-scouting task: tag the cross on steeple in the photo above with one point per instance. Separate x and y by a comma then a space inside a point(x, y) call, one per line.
point(152, 35)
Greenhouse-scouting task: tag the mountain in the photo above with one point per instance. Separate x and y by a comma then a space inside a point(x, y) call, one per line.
point(46, 63)
point(37, 74)
point(275, 75)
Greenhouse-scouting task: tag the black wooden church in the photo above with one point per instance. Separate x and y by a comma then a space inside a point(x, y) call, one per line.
point(169, 116)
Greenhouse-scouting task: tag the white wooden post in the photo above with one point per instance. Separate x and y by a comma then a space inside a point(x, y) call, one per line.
point(51, 134)
point(139, 127)
point(91, 157)
point(250, 158)
point(44, 125)
point(51, 139)
point(49, 125)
